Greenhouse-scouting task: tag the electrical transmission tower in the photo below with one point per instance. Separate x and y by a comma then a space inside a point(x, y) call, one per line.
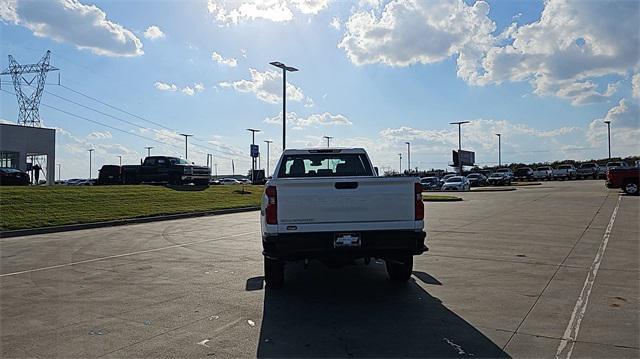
point(29, 114)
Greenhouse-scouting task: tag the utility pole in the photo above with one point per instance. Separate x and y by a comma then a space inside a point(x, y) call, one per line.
point(328, 140)
point(149, 150)
point(400, 154)
point(499, 149)
point(186, 143)
point(459, 141)
point(609, 136)
point(284, 68)
point(253, 159)
point(59, 170)
point(90, 151)
point(408, 156)
point(215, 165)
point(120, 160)
point(268, 142)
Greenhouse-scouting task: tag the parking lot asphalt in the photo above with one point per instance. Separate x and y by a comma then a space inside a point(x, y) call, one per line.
point(543, 271)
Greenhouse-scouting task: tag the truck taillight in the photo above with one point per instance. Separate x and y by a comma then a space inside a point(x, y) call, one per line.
point(271, 212)
point(419, 206)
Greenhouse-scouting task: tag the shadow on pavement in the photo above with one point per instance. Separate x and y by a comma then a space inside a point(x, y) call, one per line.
point(357, 312)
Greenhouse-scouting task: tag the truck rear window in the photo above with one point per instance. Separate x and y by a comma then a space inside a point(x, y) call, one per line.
point(324, 165)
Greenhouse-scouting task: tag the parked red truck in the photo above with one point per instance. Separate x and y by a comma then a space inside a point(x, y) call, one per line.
point(626, 179)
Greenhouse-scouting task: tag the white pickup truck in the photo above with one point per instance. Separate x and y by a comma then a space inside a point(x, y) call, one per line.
point(330, 205)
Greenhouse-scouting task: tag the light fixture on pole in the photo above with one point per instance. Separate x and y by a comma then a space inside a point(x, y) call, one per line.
point(268, 142)
point(253, 159)
point(328, 138)
point(186, 144)
point(149, 150)
point(459, 141)
point(609, 135)
point(400, 170)
point(284, 68)
point(499, 149)
point(90, 151)
point(408, 156)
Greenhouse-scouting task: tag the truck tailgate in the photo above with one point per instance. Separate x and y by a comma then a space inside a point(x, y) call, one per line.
point(345, 200)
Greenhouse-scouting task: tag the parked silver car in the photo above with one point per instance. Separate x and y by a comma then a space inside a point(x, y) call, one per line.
point(456, 183)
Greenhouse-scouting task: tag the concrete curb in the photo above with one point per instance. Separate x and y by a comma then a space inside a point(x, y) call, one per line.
point(492, 189)
point(453, 199)
point(120, 222)
point(526, 184)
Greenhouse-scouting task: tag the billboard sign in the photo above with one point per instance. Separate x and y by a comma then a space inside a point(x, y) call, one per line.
point(468, 158)
point(255, 151)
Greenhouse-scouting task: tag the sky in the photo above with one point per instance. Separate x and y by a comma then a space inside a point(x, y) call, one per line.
point(372, 74)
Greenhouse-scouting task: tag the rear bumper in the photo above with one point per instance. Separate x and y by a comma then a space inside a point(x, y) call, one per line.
point(319, 245)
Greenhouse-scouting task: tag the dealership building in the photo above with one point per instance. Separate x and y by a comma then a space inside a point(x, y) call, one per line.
point(22, 147)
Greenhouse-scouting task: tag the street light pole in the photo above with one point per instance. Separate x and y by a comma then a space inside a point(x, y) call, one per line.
point(499, 149)
point(120, 160)
point(149, 150)
point(90, 151)
point(253, 159)
point(284, 68)
point(609, 136)
point(59, 170)
point(186, 143)
point(400, 171)
point(328, 138)
point(408, 156)
point(459, 141)
point(268, 142)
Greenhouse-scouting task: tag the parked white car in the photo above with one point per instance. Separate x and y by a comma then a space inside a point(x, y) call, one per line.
point(229, 181)
point(506, 171)
point(329, 204)
point(456, 183)
point(566, 172)
point(543, 173)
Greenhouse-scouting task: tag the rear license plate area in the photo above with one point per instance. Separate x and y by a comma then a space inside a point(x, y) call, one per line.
point(347, 240)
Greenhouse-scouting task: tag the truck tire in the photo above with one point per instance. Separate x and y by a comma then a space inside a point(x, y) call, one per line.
point(631, 188)
point(273, 273)
point(400, 268)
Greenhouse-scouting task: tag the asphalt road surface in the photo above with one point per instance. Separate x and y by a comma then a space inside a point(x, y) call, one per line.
point(543, 271)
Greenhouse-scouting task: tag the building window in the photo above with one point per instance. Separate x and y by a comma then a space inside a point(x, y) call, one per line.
point(9, 159)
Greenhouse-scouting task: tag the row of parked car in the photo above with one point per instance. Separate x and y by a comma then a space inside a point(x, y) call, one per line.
point(505, 176)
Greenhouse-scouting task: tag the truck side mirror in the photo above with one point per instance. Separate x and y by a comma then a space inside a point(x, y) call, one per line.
point(377, 171)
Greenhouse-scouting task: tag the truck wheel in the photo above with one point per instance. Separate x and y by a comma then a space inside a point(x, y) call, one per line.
point(273, 273)
point(400, 268)
point(631, 188)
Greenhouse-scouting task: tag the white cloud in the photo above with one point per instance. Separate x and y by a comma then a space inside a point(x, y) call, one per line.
point(188, 90)
point(85, 26)
point(162, 86)
point(323, 119)
point(97, 135)
point(335, 23)
point(244, 53)
point(625, 127)
point(635, 85)
point(572, 44)
point(412, 31)
point(233, 12)
point(221, 60)
point(154, 33)
point(267, 86)
point(567, 53)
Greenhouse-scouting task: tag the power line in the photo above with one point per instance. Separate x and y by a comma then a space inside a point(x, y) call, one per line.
point(111, 127)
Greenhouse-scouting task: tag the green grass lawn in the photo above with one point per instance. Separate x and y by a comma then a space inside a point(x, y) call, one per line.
point(439, 198)
point(32, 207)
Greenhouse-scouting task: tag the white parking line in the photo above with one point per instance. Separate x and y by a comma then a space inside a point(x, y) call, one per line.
point(122, 255)
point(571, 333)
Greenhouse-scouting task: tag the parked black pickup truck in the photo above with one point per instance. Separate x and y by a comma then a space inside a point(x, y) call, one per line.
point(170, 170)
